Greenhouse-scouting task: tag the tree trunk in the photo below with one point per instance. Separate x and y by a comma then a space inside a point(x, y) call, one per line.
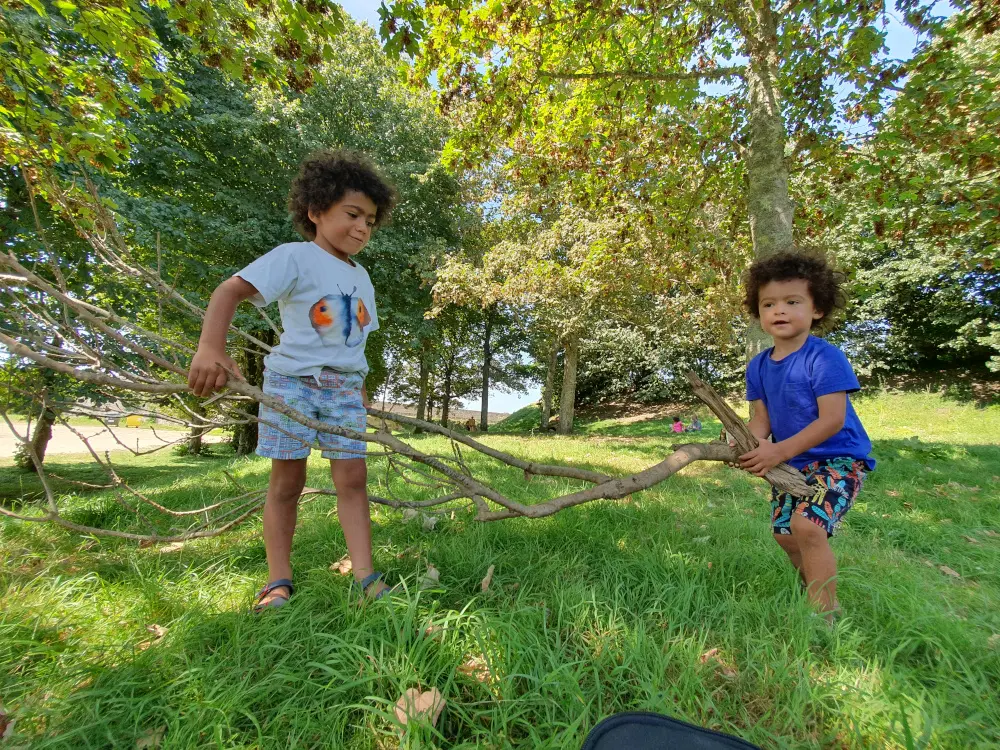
point(446, 397)
point(567, 398)
point(431, 395)
point(39, 439)
point(550, 376)
point(769, 203)
point(194, 440)
point(252, 365)
point(484, 413)
point(423, 396)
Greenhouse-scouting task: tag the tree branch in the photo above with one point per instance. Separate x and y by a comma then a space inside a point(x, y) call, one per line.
point(710, 74)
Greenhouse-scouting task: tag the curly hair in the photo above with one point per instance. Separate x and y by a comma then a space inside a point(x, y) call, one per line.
point(326, 176)
point(824, 282)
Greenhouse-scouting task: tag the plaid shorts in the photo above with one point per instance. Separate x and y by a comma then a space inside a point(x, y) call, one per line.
point(837, 480)
point(335, 400)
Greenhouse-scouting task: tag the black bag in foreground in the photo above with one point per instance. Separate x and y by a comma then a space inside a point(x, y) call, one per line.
point(640, 730)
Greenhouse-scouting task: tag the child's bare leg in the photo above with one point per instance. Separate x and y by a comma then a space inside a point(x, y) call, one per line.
point(288, 477)
point(818, 563)
point(350, 477)
point(788, 543)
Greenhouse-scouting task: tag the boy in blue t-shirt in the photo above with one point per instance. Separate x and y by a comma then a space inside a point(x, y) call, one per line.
point(799, 389)
point(327, 307)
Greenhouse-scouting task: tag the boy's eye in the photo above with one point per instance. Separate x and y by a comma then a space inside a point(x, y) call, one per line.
point(371, 224)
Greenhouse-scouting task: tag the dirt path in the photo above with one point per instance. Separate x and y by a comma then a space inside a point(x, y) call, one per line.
point(64, 441)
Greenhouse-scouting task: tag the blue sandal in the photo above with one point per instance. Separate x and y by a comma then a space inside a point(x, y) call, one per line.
point(362, 586)
point(278, 601)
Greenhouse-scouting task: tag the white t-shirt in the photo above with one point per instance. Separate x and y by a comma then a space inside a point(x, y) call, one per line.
point(327, 308)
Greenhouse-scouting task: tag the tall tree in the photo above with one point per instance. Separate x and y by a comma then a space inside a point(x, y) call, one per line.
point(915, 209)
point(570, 275)
point(207, 184)
point(612, 99)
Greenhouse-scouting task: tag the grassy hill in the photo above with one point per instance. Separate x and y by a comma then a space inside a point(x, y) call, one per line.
point(675, 600)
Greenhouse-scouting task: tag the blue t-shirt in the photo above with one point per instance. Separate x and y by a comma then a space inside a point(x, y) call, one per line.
point(789, 389)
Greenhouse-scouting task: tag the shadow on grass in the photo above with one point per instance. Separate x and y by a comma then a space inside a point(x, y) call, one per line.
point(977, 386)
point(18, 483)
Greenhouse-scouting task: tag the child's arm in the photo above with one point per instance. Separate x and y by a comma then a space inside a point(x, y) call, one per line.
point(207, 373)
point(832, 412)
point(760, 423)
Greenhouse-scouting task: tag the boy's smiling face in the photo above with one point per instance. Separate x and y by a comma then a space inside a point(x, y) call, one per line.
point(345, 227)
point(787, 310)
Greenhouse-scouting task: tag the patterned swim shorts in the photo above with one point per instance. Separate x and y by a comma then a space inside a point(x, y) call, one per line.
point(837, 481)
point(335, 400)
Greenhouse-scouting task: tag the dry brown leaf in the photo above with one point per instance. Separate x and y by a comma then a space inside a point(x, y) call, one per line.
point(709, 564)
point(432, 578)
point(172, 547)
point(949, 571)
point(476, 668)
point(990, 532)
point(6, 724)
point(908, 505)
point(146, 543)
point(893, 493)
point(488, 579)
point(970, 540)
point(928, 563)
point(886, 515)
point(415, 705)
point(151, 738)
point(433, 630)
point(158, 632)
point(342, 566)
point(710, 654)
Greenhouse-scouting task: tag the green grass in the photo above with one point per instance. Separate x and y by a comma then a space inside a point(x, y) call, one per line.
point(603, 608)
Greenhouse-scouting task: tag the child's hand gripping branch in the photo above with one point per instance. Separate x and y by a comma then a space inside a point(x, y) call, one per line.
point(832, 409)
point(210, 363)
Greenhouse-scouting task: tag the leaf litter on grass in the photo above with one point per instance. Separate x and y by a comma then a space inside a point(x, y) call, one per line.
point(416, 705)
point(485, 583)
point(158, 631)
point(343, 566)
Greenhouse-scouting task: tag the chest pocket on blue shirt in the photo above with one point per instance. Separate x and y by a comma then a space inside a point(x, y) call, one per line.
point(798, 398)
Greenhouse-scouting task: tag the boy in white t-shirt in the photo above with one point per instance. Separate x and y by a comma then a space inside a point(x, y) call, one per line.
point(327, 307)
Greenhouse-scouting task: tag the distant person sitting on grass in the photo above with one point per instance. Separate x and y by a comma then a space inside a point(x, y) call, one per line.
point(470, 424)
point(695, 425)
point(799, 389)
point(678, 425)
point(327, 307)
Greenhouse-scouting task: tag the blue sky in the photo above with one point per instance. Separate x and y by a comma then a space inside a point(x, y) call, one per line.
point(900, 41)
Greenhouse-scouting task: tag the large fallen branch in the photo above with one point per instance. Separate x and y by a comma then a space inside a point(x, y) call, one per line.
point(122, 361)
